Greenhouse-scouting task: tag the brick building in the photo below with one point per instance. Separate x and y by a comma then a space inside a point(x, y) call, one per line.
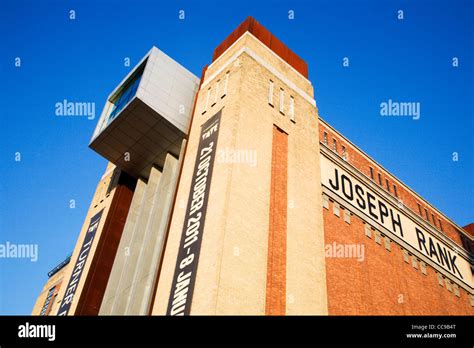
point(229, 195)
point(47, 302)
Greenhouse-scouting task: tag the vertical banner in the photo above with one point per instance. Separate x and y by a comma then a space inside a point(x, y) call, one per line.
point(79, 265)
point(47, 302)
point(190, 246)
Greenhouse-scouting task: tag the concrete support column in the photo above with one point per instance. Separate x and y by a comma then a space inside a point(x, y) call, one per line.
point(115, 279)
point(152, 247)
point(131, 282)
point(130, 251)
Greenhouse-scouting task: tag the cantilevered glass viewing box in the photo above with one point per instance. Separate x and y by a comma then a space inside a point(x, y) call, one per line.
point(147, 115)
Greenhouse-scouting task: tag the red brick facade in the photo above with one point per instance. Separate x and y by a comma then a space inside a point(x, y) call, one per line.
point(101, 266)
point(407, 197)
point(385, 281)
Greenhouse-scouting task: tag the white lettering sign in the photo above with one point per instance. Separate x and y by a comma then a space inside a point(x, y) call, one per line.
point(377, 208)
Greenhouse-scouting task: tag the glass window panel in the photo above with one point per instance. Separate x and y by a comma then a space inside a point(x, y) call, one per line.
point(125, 96)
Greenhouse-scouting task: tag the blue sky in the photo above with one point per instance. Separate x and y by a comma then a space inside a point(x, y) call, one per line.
point(82, 60)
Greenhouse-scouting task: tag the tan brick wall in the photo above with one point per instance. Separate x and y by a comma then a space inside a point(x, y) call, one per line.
point(231, 276)
point(249, 41)
point(56, 280)
point(100, 200)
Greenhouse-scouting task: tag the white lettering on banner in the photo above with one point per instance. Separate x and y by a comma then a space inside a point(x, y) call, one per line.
point(361, 197)
point(184, 277)
point(79, 266)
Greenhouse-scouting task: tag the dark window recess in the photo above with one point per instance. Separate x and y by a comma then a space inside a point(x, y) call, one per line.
point(127, 93)
point(427, 216)
point(395, 190)
point(113, 181)
point(434, 220)
point(334, 145)
point(440, 225)
point(419, 209)
point(127, 180)
point(380, 178)
point(325, 138)
point(372, 173)
point(466, 243)
point(388, 185)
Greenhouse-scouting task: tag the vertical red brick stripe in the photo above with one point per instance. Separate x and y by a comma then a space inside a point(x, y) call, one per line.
point(275, 303)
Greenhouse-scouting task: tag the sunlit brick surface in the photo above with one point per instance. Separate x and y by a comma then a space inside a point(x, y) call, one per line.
point(382, 284)
point(276, 271)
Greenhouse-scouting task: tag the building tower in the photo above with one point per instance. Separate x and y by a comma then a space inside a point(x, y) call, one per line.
point(247, 231)
point(229, 195)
